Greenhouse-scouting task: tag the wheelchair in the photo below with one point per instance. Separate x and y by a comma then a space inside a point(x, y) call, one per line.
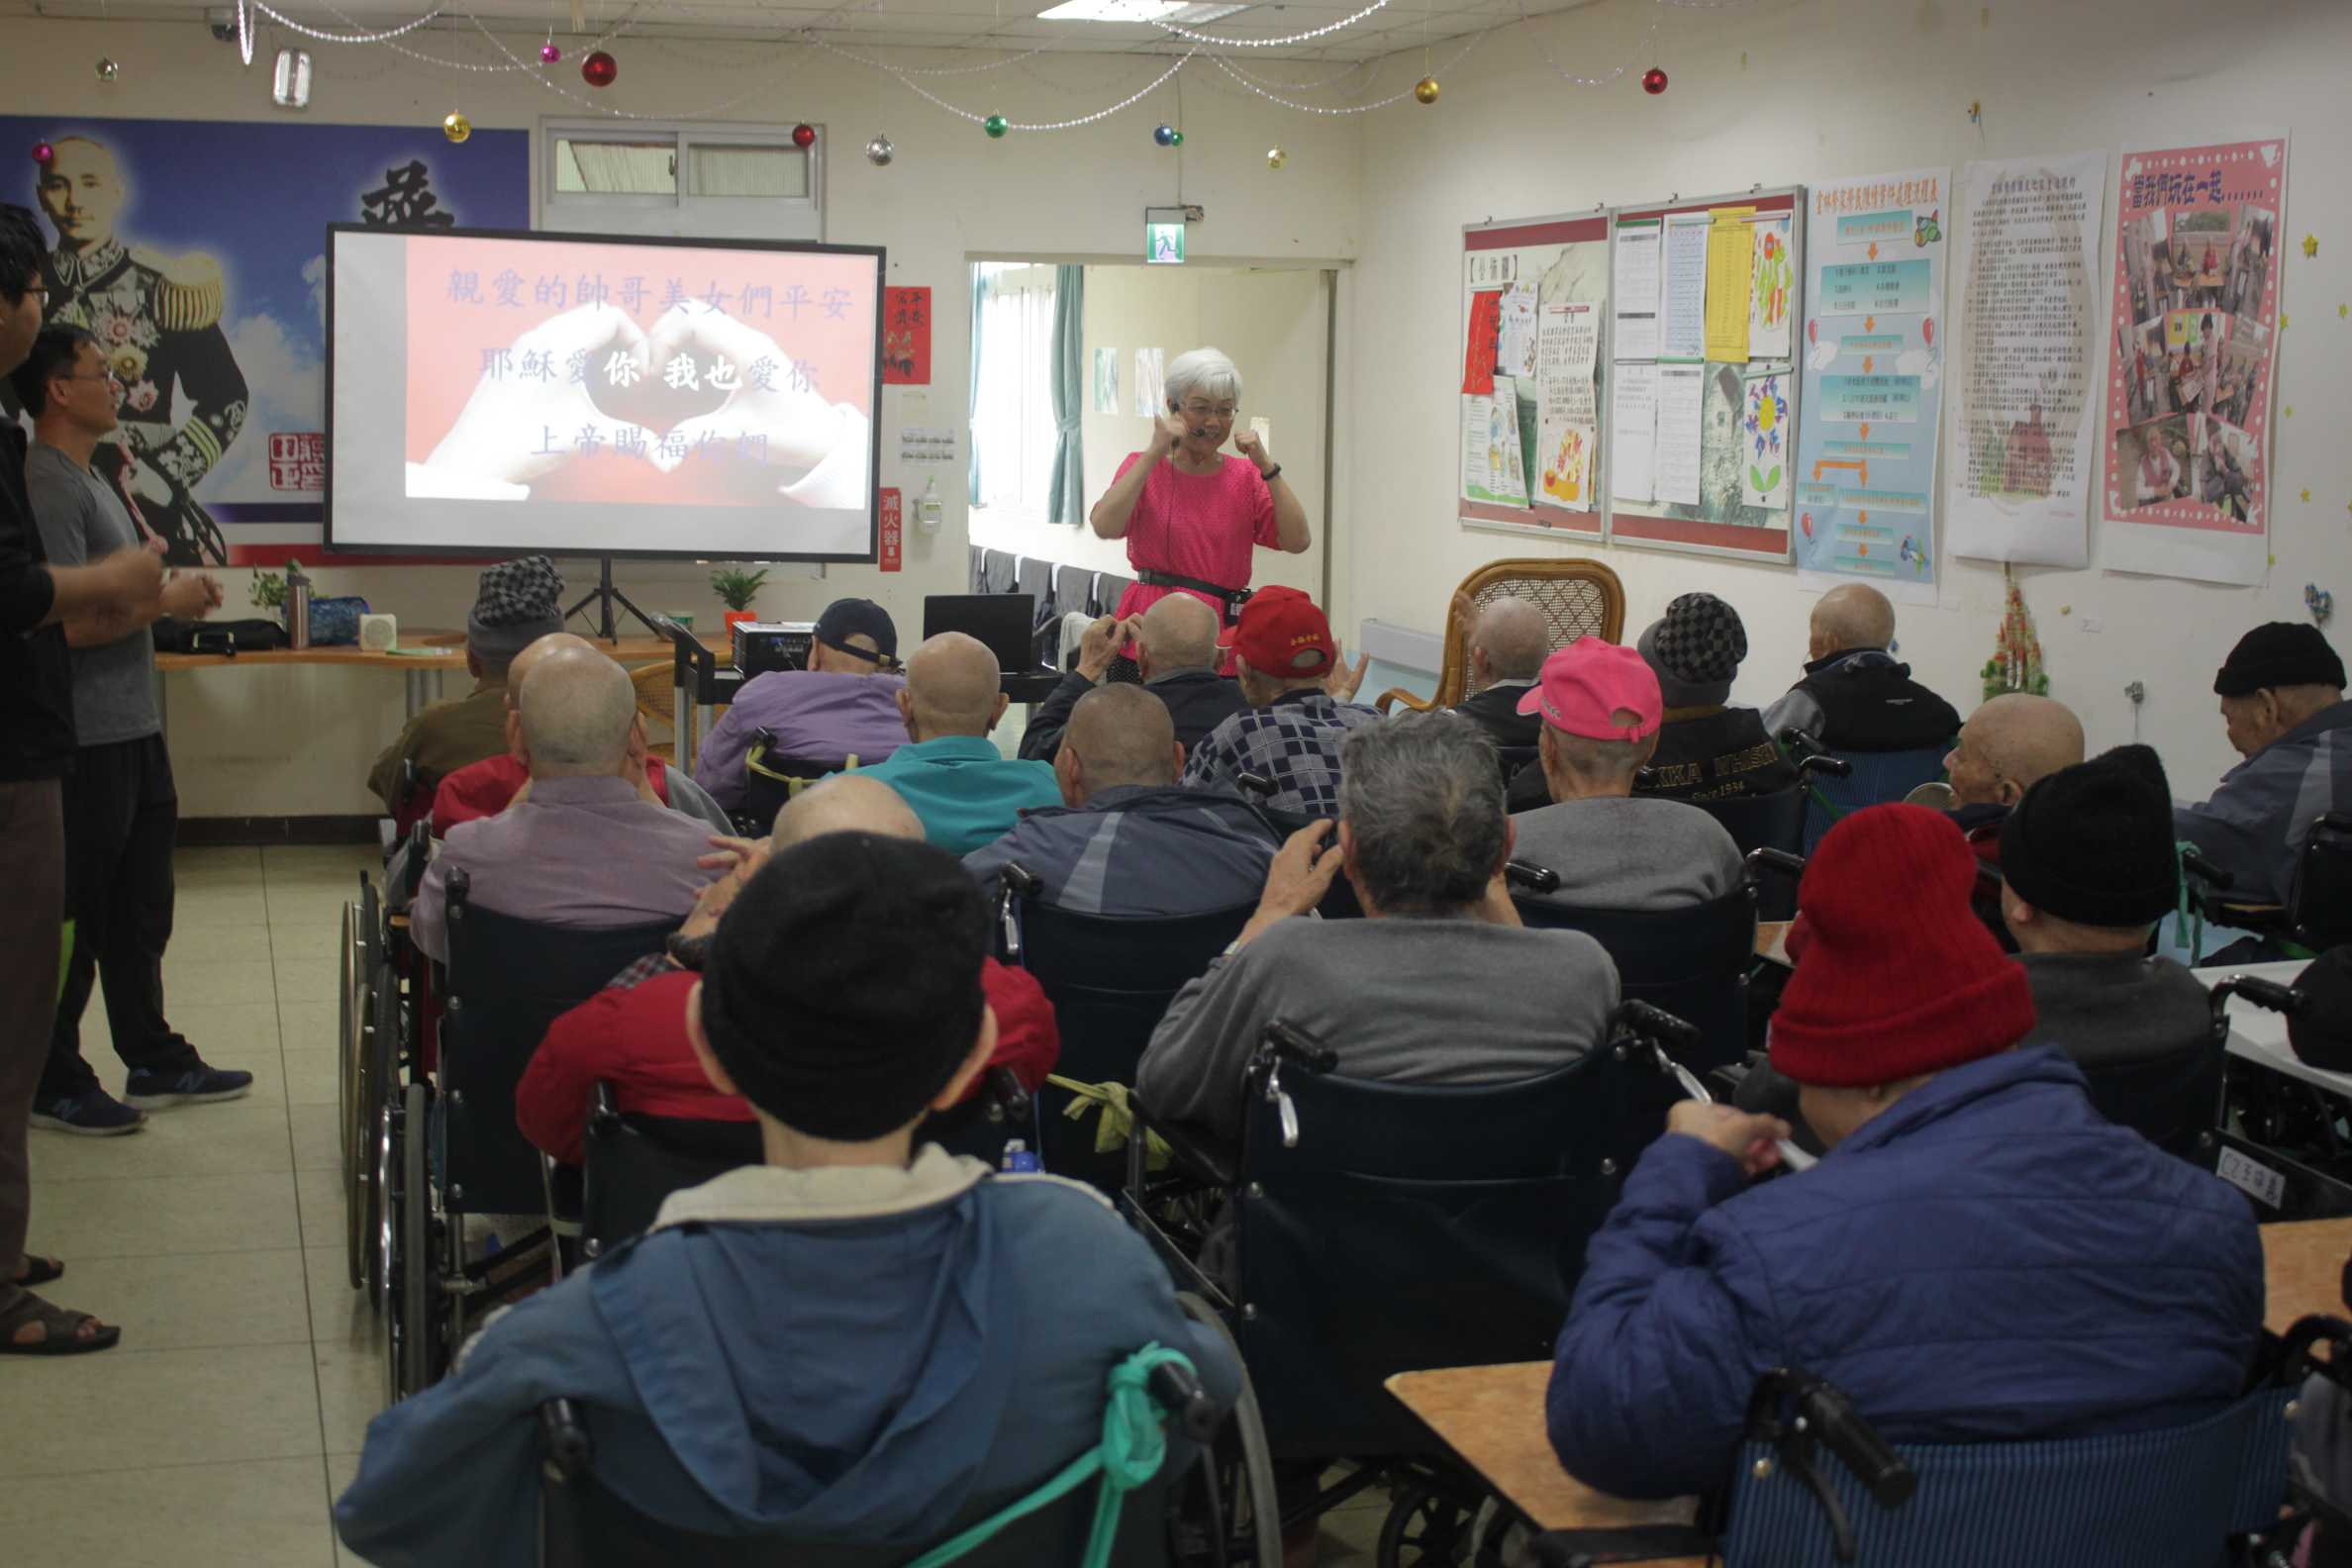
point(2281, 1140)
point(2318, 914)
point(1870, 779)
point(452, 1149)
point(770, 780)
point(1364, 1229)
point(1208, 1516)
point(1109, 979)
point(1775, 822)
point(2207, 1492)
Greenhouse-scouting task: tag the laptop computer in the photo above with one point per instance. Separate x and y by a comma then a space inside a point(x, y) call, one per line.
point(1003, 622)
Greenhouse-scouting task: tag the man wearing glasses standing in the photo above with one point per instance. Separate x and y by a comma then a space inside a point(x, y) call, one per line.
point(122, 814)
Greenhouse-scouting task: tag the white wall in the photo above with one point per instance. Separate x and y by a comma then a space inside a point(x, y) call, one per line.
point(1272, 324)
point(1802, 91)
point(297, 741)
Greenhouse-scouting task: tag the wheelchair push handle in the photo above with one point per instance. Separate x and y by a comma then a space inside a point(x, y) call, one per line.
point(1531, 877)
point(1018, 878)
point(1008, 1100)
point(1180, 1393)
point(2195, 864)
point(2263, 993)
point(569, 1451)
point(1293, 1043)
point(1255, 783)
point(1823, 762)
point(1842, 1431)
point(1781, 860)
point(1654, 1024)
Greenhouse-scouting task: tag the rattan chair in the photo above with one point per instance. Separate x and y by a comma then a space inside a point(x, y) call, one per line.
point(1578, 598)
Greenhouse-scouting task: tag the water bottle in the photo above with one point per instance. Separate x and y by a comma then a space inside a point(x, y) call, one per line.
point(1019, 1158)
point(298, 600)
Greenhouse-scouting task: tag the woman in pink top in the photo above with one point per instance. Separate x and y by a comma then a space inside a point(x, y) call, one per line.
point(1190, 514)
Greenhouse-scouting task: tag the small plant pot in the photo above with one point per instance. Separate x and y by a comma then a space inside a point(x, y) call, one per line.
point(733, 616)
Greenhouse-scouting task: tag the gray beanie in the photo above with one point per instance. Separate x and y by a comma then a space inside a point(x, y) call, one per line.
point(519, 602)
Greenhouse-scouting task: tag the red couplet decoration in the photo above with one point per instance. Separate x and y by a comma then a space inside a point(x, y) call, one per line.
point(804, 136)
point(599, 69)
point(893, 532)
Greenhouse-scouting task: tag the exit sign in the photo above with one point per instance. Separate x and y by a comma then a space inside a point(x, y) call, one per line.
point(1164, 234)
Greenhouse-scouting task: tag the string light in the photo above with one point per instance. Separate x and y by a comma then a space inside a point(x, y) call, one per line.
point(1460, 54)
point(1271, 43)
point(346, 38)
point(920, 71)
point(1647, 50)
point(1130, 101)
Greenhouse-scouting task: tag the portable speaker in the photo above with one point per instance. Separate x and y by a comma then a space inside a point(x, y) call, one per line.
point(378, 633)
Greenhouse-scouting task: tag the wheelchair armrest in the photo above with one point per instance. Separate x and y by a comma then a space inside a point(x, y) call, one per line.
point(1627, 1543)
point(1398, 694)
point(1196, 1152)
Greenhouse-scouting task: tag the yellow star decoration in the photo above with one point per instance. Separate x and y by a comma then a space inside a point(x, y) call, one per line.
point(2289, 411)
point(2282, 320)
point(2344, 309)
point(2306, 492)
point(2310, 244)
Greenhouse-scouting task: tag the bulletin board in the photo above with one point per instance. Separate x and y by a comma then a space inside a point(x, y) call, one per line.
point(1535, 295)
point(1704, 296)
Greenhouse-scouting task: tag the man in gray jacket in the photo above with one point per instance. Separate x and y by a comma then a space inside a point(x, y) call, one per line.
point(2281, 694)
point(1439, 983)
point(1126, 841)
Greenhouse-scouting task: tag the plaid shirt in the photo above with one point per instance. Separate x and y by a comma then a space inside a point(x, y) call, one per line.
point(1293, 740)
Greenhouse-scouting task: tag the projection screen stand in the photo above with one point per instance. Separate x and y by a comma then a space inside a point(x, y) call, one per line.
point(604, 596)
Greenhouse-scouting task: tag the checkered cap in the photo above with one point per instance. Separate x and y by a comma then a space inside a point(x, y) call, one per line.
point(1697, 645)
point(519, 602)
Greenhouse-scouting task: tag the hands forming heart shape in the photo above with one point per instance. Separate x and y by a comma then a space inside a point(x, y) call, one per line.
point(591, 383)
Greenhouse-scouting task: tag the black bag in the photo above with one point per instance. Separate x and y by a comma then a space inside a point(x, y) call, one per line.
point(218, 636)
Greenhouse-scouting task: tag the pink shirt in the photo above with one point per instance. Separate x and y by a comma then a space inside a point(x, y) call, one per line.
point(1197, 526)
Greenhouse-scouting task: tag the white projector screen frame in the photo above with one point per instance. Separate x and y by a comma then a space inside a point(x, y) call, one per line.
point(490, 522)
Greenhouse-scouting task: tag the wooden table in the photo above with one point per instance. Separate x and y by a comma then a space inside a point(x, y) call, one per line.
point(423, 670)
point(1493, 1417)
point(2303, 1268)
point(1772, 941)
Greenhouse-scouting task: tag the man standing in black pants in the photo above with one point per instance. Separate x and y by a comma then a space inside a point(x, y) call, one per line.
point(35, 752)
point(122, 812)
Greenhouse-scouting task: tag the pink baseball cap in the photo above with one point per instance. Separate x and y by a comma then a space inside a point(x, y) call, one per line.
point(1584, 685)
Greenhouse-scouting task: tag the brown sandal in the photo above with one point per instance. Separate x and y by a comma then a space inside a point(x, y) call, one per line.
point(60, 1330)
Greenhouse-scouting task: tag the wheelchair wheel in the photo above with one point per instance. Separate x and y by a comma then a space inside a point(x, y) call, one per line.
point(1229, 1517)
point(347, 1035)
point(414, 1266)
point(358, 1123)
point(1427, 1528)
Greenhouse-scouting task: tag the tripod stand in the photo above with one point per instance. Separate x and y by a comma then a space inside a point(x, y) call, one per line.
point(604, 596)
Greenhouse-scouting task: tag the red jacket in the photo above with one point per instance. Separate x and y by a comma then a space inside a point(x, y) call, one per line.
point(487, 787)
point(633, 1036)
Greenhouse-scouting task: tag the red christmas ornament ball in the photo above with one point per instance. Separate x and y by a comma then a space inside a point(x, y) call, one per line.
point(44, 154)
point(599, 69)
point(1653, 81)
point(804, 136)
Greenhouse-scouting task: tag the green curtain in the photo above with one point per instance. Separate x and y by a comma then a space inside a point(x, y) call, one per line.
point(1067, 492)
point(972, 415)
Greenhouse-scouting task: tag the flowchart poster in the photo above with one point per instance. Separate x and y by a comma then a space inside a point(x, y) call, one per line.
point(1873, 381)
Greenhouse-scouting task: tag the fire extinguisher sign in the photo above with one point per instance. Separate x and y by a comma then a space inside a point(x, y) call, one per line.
point(893, 532)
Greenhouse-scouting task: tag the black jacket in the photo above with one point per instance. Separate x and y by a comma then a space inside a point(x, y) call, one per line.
point(1199, 700)
point(1718, 754)
point(1496, 710)
point(36, 679)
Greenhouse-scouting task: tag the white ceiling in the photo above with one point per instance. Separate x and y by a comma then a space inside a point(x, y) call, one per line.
point(996, 25)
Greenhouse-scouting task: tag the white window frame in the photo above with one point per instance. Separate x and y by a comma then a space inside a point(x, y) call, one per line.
point(1019, 420)
point(684, 214)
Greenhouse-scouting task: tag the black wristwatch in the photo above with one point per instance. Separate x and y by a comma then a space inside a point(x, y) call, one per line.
point(687, 951)
point(1271, 474)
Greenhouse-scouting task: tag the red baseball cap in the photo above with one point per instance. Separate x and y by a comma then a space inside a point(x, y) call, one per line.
point(1584, 685)
point(1284, 633)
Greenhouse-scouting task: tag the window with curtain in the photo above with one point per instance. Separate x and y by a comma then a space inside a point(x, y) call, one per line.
point(1014, 434)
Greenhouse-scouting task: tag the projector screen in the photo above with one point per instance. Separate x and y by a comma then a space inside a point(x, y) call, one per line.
point(601, 396)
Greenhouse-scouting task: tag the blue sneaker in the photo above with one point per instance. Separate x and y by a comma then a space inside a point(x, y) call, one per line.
point(93, 1114)
point(199, 1085)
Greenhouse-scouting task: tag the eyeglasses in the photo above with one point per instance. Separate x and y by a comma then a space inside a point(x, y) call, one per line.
point(103, 375)
point(1206, 411)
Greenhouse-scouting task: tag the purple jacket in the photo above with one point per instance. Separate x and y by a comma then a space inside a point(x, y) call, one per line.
point(579, 851)
point(1987, 1258)
point(823, 715)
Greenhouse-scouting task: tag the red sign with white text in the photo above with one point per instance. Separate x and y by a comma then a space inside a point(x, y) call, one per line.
point(893, 532)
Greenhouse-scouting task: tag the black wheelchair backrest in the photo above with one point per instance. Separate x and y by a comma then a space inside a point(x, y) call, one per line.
point(1691, 961)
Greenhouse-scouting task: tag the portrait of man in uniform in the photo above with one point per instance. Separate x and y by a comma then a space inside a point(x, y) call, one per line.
point(158, 319)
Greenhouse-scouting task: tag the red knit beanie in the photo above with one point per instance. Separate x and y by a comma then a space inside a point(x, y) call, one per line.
point(1898, 977)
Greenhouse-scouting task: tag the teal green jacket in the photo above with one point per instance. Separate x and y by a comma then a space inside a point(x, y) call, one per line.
point(964, 790)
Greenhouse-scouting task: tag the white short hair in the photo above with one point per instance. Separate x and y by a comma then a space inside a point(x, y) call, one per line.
point(1206, 372)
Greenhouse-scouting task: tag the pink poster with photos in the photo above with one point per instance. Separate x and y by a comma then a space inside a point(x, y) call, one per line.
point(2200, 236)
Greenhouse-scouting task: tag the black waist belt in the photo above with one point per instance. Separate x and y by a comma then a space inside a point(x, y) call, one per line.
point(1232, 598)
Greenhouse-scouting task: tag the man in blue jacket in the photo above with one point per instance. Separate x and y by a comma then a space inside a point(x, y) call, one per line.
point(850, 1343)
point(2281, 694)
point(1126, 841)
point(1980, 1256)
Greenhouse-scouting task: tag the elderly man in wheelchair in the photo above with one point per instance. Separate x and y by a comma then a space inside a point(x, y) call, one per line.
point(850, 1353)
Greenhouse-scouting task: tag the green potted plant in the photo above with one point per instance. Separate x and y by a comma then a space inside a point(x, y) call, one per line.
point(268, 591)
point(737, 588)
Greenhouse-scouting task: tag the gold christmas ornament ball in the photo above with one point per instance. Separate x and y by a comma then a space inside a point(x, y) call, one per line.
point(456, 127)
point(1276, 158)
point(1425, 89)
point(108, 70)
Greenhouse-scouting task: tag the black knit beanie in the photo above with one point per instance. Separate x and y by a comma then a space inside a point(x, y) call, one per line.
point(2093, 843)
point(2279, 653)
point(842, 988)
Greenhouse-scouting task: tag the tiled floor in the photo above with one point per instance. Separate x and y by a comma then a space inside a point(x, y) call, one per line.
point(237, 1404)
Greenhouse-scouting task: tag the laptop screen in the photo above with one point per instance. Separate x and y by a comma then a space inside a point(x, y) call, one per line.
point(1002, 622)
